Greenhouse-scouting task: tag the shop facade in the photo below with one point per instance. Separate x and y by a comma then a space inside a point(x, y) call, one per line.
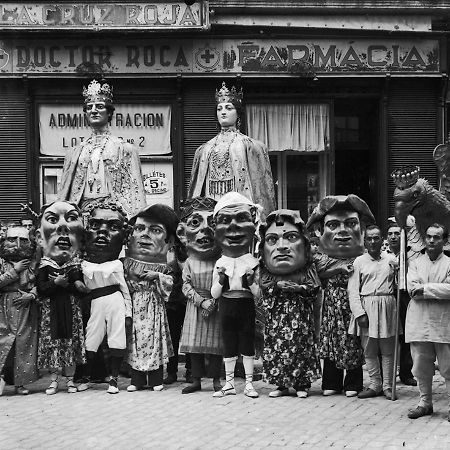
point(339, 108)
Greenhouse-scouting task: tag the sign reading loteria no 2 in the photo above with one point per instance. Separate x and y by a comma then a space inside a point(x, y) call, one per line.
point(167, 15)
point(223, 56)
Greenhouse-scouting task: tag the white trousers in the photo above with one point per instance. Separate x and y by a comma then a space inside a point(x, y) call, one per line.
point(107, 317)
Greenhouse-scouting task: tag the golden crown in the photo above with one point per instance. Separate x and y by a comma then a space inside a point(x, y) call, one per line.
point(97, 91)
point(406, 176)
point(225, 95)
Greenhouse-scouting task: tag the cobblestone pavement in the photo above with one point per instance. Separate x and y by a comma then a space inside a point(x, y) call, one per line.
point(169, 420)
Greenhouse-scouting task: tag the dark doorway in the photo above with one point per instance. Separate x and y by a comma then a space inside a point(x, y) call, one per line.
point(356, 128)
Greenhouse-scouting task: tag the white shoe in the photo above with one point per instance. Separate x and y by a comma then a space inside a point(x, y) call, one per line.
point(351, 393)
point(279, 393)
point(132, 388)
point(302, 394)
point(113, 387)
point(225, 391)
point(250, 391)
point(328, 392)
point(71, 388)
point(84, 386)
point(158, 388)
point(21, 390)
point(53, 388)
point(2, 385)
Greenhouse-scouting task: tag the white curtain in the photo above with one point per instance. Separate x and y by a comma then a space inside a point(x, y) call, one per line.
point(300, 127)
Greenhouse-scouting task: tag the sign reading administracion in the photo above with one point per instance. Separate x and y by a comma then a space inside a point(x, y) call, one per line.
point(167, 15)
point(295, 56)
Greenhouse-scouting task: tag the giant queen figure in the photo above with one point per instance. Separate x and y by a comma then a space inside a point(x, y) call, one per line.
point(232, 161)
point(103, 165)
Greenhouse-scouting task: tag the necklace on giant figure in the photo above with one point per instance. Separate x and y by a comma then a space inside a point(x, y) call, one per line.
point(95, 141)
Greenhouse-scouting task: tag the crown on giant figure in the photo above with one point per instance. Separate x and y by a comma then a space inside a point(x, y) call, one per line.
point(406, 176)
point(98, 91)
point(225, 95)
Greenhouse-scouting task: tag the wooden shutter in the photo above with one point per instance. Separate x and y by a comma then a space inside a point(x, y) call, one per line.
point(412, 127)
point(13, 150)
point(200, 122)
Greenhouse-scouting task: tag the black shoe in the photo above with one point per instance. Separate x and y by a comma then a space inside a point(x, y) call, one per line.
point(368, 393)
point(420, 411)
point(409, 381)
point(170, 379)
point(194, 387)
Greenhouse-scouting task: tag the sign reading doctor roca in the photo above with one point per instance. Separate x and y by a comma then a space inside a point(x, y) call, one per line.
point(63, 127)
point(167, 15)
point(196, 56)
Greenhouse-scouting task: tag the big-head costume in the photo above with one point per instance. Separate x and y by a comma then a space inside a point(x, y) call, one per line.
point(341, 220)
point(289, 285)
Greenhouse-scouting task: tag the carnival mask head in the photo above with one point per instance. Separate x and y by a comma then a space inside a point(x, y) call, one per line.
point(98, 103)
point(342, 220)
point(196, 228)
point(105, 231)
point(60, 231)
point(17, 245)
point(285, 245)
point(228, 106)
point(153, 234)
point(236, 218)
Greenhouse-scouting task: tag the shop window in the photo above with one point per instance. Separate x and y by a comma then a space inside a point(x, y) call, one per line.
point(298, 139)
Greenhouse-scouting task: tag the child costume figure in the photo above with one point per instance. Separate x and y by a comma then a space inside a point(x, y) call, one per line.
point(202, 336)
point(289, 284)
point(150, 278)
point(59, 284)
point(103, 274)
point(235, 284)
point(18, 309)
point(341, 220)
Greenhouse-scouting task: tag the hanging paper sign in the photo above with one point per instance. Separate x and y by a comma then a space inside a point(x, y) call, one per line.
point(147, 127)
point(158, 182)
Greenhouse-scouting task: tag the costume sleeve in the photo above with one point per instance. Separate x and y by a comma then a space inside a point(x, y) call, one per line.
point(125, 292)
point(7, 275)
point(164, 286)
point(133, 192)
point(188, 290)
point(353, 289)
point(255, 288)
point(194, 189)
point(260, 174)
point(216, 288)
point(45, 286)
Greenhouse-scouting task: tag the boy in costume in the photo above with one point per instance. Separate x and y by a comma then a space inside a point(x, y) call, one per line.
point(235, 284)
point(289, 284)
point(104, 276)
point(18, 309)
point(150, 278)
point(59, 285)
point(202, 336)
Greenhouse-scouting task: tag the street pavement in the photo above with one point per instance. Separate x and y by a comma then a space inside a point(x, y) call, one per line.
point(169, 420)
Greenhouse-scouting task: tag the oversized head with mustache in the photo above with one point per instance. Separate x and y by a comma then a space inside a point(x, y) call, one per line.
point(17, 245)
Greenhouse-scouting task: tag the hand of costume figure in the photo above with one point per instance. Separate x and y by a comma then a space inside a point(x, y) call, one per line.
point(81, 287)
point(22, 265)
point(363, 321)
point(133, 286)
point(250, 274)
point(418, 294)
point(222, 275)
point(290, 286)
point(150, 275)
point(24, 299)
point(61, 280)
point(128, 322)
